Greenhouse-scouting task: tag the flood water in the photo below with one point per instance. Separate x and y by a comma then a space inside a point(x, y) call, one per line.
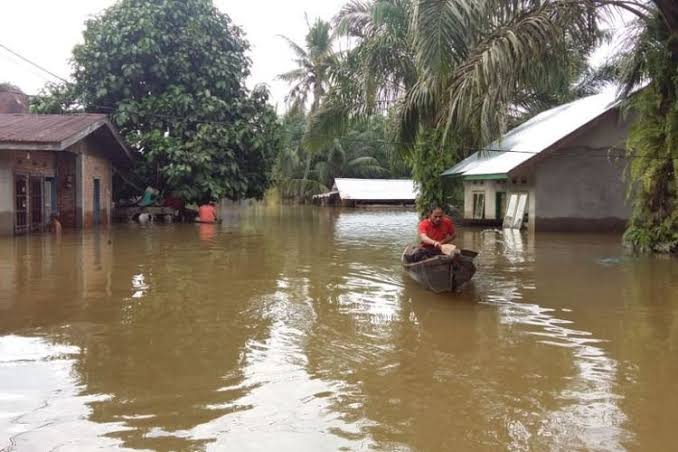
point(295, 328)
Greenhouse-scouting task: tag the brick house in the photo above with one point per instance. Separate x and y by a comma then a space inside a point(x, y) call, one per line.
point(57, 164)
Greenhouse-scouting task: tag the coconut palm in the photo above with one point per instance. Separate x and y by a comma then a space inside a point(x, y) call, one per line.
point(310, 77)
point(340, 163)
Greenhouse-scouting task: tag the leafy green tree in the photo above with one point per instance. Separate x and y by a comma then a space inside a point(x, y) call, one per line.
point(171, 75)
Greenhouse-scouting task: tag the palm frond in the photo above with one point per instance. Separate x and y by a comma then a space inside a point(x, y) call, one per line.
point(481, 88)
point(296, 48)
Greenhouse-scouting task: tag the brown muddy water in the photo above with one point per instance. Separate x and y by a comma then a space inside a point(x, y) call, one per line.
point(295, 329)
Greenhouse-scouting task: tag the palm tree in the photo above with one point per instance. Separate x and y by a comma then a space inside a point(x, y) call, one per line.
point(651, 54)
point(359, 164)
point(310, 78)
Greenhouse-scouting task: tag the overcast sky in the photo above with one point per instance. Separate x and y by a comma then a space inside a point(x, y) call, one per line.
point(45, 32)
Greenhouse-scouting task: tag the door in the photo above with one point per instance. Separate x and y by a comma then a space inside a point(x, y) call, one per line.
point(96, 212)
point(478, 205)
point(37, 203)
point(20, 204)
point(500, 205)
point(513, 219)
point(50, 198)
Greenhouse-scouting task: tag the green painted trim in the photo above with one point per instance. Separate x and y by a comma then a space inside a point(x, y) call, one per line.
point(486, 177)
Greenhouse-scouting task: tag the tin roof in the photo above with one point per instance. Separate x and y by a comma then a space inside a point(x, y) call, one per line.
point(55, 132)
point(534, 136)
point(376, 189)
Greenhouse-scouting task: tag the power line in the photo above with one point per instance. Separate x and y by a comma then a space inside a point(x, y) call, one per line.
point(33, 63)
point(623, 153)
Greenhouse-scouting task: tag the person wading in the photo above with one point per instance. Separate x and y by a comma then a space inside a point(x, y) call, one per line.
point(434, 231)
point(207, 213)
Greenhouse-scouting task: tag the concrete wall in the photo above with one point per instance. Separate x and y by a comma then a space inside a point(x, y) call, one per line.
point(96, 166)
point(6, 194)
point(579, 187)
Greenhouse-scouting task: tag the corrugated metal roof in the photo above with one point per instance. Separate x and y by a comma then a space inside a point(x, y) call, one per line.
point(534, 136)
point(58, 132)
point(31, 128)
point(376, 189)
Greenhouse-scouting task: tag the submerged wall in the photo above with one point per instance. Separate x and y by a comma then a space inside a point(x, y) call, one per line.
point(580, 186)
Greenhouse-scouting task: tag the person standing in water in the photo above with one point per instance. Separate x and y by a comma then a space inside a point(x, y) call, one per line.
point(207, 213)
point(54, 225)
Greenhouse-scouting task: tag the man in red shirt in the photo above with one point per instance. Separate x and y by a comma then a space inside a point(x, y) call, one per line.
point(434, 231)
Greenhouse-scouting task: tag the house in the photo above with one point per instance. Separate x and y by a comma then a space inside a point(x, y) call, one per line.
point(57, 164)
point(353, 192)
point(560, 171)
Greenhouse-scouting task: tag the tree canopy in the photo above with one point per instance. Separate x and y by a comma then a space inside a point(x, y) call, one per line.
point(171, 75)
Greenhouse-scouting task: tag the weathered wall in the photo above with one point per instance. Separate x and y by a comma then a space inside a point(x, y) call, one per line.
point(65, 170)
point(34, 162)
point(6, 194)
point(96, 166)
point(579, 186)
point(31, 163)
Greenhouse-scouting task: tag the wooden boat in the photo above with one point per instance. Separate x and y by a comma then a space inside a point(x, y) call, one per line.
point(441, 273)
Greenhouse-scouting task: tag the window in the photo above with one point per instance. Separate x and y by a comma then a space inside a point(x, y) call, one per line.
point(478, 205)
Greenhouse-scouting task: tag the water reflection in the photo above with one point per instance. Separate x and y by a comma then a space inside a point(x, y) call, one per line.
point(588, 414)
point(296, 328)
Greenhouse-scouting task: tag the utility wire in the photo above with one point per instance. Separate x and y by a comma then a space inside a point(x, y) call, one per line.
point(33, 63)
point(623, 153)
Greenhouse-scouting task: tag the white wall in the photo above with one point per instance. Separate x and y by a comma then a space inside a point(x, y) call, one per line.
point(489, 188)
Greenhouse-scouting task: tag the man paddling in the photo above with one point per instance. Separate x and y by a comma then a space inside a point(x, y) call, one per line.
point(434, 231)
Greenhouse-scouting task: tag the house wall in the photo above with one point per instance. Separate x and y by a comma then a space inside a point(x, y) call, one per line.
point(65, 169)
point(96, 166)
point(6, 194)
point(32, 163)
point(579, 187)
point(75, 171)
point(489, 188)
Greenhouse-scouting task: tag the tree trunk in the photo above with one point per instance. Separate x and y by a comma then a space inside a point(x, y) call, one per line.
point(317, 94)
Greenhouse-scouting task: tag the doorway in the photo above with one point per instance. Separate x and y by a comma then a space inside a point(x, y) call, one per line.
point(50, 198)
point(36, 203)
point(500, 205)
point(20, 204)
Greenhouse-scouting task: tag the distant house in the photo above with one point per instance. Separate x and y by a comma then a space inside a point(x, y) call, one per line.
point(57, 163)
point(353, 192)
point(561, 171)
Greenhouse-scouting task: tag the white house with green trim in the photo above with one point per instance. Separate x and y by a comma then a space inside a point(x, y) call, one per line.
point(567, 162)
